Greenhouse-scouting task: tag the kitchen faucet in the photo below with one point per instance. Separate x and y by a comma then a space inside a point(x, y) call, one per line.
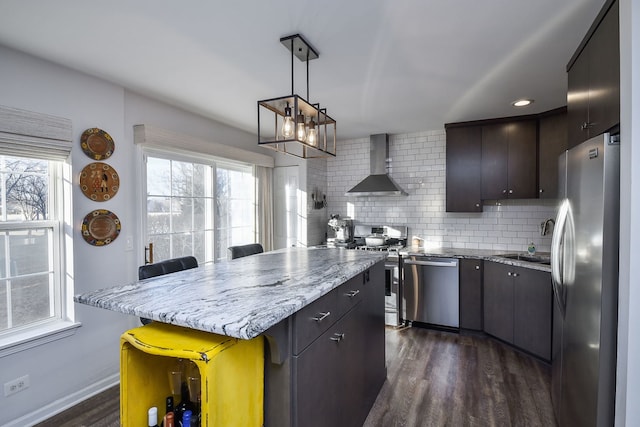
point(544, 226)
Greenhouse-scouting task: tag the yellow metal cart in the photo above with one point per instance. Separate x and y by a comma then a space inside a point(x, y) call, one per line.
point(231, 371)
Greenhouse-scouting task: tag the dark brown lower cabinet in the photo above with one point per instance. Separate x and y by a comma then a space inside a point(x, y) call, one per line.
point(518, 307)
point(470, 294)
point(498, 301)
point(532, 316)
point(326, 377)
point(330, 363)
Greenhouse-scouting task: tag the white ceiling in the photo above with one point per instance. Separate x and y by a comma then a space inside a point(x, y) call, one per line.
point(385, 65)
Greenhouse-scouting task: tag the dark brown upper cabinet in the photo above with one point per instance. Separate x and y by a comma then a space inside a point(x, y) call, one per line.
point(509, 166)
point(593, 96)
point(464, 151)
point(552, 141)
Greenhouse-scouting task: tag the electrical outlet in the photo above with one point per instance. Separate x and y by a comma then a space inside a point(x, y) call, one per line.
point(14, 386)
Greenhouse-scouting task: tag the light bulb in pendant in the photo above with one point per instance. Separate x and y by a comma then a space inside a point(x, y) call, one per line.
point(302, 131)
point(288, 126)
point(312, 136)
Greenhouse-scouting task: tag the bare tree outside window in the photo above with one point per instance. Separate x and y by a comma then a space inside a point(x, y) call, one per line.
point(198, 209)
point(27, 283)
point(26, 189)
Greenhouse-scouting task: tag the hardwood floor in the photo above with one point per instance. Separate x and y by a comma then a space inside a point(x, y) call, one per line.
point(433, 379)
point(444, 379)
point(101, 410)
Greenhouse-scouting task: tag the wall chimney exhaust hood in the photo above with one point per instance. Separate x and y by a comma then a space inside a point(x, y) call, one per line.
point(378, 183)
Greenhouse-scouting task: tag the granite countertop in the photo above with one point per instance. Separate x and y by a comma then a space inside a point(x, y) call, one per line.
point(241, 298)
point(485, 254)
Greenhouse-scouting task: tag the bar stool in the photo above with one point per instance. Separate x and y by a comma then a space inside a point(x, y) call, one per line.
point(245, 250)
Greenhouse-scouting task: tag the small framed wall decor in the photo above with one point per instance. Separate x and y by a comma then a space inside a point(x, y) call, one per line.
point(97, 144)
point(100, 227)
point(99, 181)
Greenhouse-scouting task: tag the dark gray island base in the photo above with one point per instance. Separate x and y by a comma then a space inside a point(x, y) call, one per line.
point(320, 310)
point(330, 363)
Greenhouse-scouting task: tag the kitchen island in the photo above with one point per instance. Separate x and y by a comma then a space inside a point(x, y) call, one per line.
point(320, 310)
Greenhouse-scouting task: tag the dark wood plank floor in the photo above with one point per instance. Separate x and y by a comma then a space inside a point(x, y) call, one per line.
point(445, 379)
point(433, 379)
point(101, 410)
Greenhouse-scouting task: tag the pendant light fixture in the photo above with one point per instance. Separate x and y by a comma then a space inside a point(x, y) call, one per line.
point(292, 124)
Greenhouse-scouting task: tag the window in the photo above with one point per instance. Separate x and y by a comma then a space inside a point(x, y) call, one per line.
point(31, 291)
point(198, 207)
point(235, 207)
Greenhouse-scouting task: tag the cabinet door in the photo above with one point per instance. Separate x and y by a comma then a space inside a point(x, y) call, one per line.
point(604, 74)
point(522, 163)
point(353, 370)
point(498, 300)
point(463, 170)
point(373, 331)
point(532, 314)
point(552, 141)
point(471, 294)
point(578, 100)
point(495, 158)
point(317, 391)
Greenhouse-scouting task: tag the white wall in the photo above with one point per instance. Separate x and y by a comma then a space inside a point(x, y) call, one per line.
point(312, 177)
point(628, 384)
point(68, 370)
point(418, 166)
point(90, 356)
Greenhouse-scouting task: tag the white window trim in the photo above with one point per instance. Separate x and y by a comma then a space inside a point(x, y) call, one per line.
point(171, 153)
point(40, 135)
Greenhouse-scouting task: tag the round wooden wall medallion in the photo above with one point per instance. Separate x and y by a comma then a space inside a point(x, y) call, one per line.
point(100, 227)
point(97, 144)
point(99, 181)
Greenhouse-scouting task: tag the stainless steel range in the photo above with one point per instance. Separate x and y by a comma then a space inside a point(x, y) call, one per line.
point(392, 239)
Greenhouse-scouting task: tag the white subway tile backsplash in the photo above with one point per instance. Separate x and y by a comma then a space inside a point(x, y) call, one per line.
point(418, 166)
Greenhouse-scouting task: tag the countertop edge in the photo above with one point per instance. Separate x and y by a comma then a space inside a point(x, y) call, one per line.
point(246, 324)
point(482, 254)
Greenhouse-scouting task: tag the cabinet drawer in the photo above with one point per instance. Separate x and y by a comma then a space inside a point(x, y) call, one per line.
point(350, 294)
point(314, 319)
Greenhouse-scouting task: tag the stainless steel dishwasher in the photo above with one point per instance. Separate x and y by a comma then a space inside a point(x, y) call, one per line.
point(430, 290)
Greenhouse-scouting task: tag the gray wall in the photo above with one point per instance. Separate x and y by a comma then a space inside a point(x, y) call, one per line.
point(68, 370)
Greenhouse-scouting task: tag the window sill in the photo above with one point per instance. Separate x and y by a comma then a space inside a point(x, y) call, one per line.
point(37, 336)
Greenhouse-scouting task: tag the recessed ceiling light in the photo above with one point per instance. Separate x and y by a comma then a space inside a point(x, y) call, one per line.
point(522, 102)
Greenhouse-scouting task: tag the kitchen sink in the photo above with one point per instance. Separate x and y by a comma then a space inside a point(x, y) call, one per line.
point(528, 258)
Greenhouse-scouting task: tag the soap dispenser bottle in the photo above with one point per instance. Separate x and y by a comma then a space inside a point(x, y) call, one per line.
point(531, 249)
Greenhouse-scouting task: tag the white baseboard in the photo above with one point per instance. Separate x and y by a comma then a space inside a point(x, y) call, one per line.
point(65, 403)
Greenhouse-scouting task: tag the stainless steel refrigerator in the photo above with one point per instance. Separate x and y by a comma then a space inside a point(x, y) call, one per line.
point(584, 270)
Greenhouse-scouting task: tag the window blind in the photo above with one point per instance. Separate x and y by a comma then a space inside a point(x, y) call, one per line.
point(151, 136)
point(28, 134)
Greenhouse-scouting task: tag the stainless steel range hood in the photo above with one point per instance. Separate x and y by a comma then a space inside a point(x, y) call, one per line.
point(378, 183)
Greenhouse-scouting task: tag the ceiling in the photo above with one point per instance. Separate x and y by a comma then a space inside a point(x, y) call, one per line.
point(385, 65)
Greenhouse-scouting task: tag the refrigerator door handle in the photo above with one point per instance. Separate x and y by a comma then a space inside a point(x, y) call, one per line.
point(557, 254)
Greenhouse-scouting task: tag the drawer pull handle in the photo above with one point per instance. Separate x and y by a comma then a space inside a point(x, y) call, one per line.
point(322, 316)
point(352, 294)
point(337, 337)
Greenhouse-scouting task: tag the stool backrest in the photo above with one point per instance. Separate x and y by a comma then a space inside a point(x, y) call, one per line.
point(165, 267)
point(245, 250)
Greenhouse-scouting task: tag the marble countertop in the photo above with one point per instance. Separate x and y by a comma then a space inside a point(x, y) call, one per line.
point(485, 254)
point(241, 298)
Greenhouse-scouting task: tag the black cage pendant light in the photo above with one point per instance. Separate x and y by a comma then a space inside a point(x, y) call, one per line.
point(291, 124)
